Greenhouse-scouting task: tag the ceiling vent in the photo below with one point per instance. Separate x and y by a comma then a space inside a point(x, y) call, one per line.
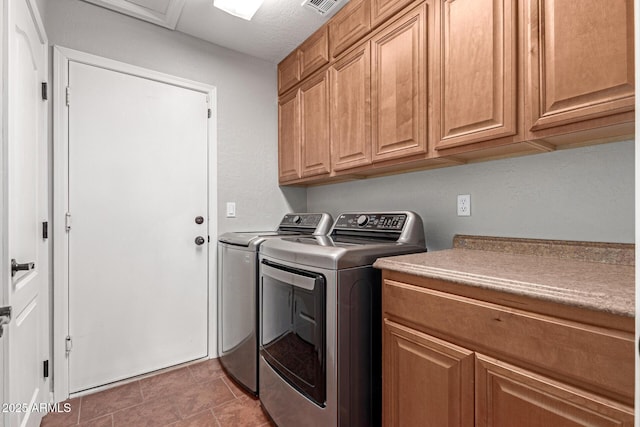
point(321, 6)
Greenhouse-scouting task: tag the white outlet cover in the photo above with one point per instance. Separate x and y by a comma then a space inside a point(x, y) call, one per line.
point(464, 205)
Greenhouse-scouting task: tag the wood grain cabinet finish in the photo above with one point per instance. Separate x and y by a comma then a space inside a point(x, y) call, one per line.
point(314, 52)
point(349, 25)
point(420, 84)
point(314, 126)
point(509, 395)
point(437, 375)
point(288, 72)
point(581, 61)
point(351, 110)
point(530, 368)
point(384, 9)
point(289, 137)
point(399, 87)
point(477, 65)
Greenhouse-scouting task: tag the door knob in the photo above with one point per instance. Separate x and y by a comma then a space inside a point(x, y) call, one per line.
point(200, 240)
point(21, 267)
point(5, 318)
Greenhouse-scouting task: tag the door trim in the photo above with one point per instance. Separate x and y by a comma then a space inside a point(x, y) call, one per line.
point(61, 58)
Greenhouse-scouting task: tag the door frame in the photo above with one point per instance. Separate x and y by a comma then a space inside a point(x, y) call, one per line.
point(61, 58)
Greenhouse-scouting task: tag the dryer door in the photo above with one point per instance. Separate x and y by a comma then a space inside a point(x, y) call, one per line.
point(293, 327)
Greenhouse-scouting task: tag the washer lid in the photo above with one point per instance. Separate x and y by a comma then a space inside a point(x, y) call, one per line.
point(248, 237)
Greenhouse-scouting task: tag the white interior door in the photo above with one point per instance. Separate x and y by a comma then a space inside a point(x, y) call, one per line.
point(137, 181)
point(27, 336)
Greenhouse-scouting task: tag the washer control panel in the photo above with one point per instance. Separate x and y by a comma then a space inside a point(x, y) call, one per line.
point(371, 221)
point(301, 220)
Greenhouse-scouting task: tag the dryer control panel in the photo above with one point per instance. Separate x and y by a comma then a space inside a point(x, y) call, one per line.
point(371, 221)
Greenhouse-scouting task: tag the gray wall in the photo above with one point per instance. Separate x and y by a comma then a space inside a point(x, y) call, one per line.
point(578, 194)
point(247, 100)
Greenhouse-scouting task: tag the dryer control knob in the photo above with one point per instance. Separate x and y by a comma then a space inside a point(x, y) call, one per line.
point(297, 219)
point(362, 220)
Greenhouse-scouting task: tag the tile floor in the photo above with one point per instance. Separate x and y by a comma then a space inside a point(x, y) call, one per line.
point(197, 395)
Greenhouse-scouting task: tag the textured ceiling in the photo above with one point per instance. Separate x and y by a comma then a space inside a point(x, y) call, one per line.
point(275, 30)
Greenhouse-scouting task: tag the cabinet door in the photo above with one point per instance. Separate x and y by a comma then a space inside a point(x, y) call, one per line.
point(384, 9)
point(581, 61)
point(349, 25)
point(289, 137)
point(477, 57)
point(351, 110)
point(314, 125)
point(399, 87)
point(506, 395)
point(314, 52)
point(425, 381)
point(288, 72)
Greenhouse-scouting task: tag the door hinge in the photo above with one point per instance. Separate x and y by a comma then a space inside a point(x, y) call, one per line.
point(67, 345)
point(45, 369)
point(44, 91)
point(209, 113)
point(67, 96)
point(67, 221)
point(45, 230)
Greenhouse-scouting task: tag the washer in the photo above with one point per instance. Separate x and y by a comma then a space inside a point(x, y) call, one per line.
point(237, 284)
point(320, 319)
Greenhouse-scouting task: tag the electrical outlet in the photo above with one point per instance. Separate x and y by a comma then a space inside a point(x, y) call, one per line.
point(231, 209)
point(464, 205)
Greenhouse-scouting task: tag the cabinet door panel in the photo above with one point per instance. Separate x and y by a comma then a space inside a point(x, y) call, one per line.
point(288, 72)
point(289, 137)
point(478, 71)
point(351, 110)
point(314, 52)
point(314, 125)
point(350, 24)
point(399, 88)
point(426, 381)
point(582, 60)
point(506, 394)
point(383, 9)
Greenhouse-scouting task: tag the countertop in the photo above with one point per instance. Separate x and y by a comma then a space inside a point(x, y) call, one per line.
point(596, 276)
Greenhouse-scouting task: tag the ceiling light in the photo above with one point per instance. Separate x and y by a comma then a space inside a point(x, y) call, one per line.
point(244, 9)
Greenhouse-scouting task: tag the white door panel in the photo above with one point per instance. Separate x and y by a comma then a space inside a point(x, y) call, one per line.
point(28, 333)
point(137, 181)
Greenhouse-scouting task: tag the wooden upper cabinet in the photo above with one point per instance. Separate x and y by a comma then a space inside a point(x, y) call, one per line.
point(349, 25)
point(289, 137)
point(505, 393)
point(581, 61)
point(478, 74)
point(314, 52)
point(426, 381)
point(399, 86)
point(288, 72)
point(383, 9)
point(314, 126)
point(351, 110)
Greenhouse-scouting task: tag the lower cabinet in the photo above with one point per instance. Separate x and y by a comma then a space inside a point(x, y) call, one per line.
point(450, 360)
point(427, 381)
point(506, 394)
